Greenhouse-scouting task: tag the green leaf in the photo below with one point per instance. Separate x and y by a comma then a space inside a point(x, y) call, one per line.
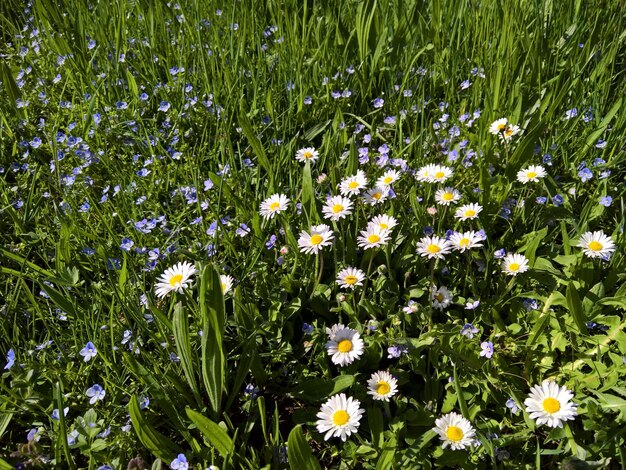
point(213, 432)
point(318, 389)
point(375, 421)
point(387, 455)
point(183, 346)
point(575, 307)
point(299, 452)
point(155, 442)
point(62, 440)
point(534, 241)
point(459, 394)
point(257, 147)
point(308, 196)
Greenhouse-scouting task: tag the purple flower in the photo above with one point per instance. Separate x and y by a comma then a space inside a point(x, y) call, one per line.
point(571, 113)
point(487, 349)
point(95, 393)
point(469, 330)
point(499, 254)
point(243, 230)
point(510, 404)
point(307, 329)
point(541, 200)
point(164, 106)
point(271, 242)
point(10, 359)
point(396, 351)
point(89, 351)
point(180, 463)
point(126, 244)
point(55, 413)
point(472, 305)
point(585, 174)
point(606, 201)
point(558, 200)
point(378, 103)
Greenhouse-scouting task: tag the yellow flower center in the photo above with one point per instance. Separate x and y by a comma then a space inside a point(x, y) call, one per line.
point(353, 185)
point(307, 155)
point(351, 280)
point(337, 208)
point(595, 246)
point(551, 405)
point(344, 346)
point(513, 267)
point(447, 196)
point(383, 388)
point(432, 248)
point(223, 285)
point(470, 213)
point(388, 180)
point(531, 174)
point(340, 417)
point(383, 226)
point(373, 238)
point(376, 196)
point(501, 126)
point(316, 239)
point(175, 280)
point(464, 242)
point(439, 297)
point(274, 206)
point(508, 132)
point(454, 433)
point(440, 174)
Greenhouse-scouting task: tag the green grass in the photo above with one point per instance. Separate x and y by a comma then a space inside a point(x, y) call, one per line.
point(238, 101)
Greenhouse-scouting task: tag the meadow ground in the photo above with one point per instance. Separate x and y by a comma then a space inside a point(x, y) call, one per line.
point(307, 234)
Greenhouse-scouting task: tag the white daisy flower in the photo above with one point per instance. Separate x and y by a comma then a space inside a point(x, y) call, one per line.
point(353, 185)
point(596, 244)
point(441, 297)
point(350, 277)
point(273, 205)
point(320, 236)
point(514, 264)
point(344, 345)
point(339, 417)
point(307, 154)
point(226, 283)
point(498, 126)
point(433, 247)
point(177, 278)
point(509, 132)
point(372, 237)
point(388, 178)
point(455, 431)
point(468, 211)
point(337, 207)
point(532, 174)
point(446, 196)
point(382, 385)
point(440, 174)
point(376, 195)
point(550, 404)
point(384, 222)
point(465, 241)
point(425, 173)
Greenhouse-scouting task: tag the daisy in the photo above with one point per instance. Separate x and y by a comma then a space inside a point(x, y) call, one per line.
point(273, 205)
point(176, 278)
point(226, 283)
point(425, 173)
point(350, 277)
point(384, 222)
point(376, 195)
point(441, 297)
point(337, 207)
point(372, 237)
point(344, 345)
point(532, 174)
point(509, 132)
point(455, 431)
point(339, 417)
point(465, 241)
point(320, 236)
point(446, 196)
point(388, 178)
point(550, 404)
point(353, 184)
point(468, 211)
point(307, 154)
point(433, 247)
point(514, 264)
point(596, 244)
point(382, 385)
point(440, 174)
point(498, 126)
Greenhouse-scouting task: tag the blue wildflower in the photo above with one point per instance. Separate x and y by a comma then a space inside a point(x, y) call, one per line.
point(10, 359)
point(95, 393)
point(89, 351)
point(487, 349)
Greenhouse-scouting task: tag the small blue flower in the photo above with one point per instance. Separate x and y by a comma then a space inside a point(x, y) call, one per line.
point(271, 242)
point(10, 359)
point(469, 330)
point(472, 305)
point(180, 463)
point(243, 230)
point(499, 254)
point(541, 200)
point(379, 103)
point(126, 244)
point(558, 200)
point(55, 413)
point(164, 106)
point(89, 351)
point(487, 349)
point(606, 201)
point(510, 404)
point(307, 329)
point(585, 174)
point(95, 393)
point(396, 351)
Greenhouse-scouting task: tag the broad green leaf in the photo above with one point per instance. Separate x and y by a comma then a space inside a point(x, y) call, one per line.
point(183, 346)
point(308, 195)
point(212, 432)
point(385, 460)
point(575, 307)
point(375, 421)
point(318, 389)
point(299, 452)
point(155, 442)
